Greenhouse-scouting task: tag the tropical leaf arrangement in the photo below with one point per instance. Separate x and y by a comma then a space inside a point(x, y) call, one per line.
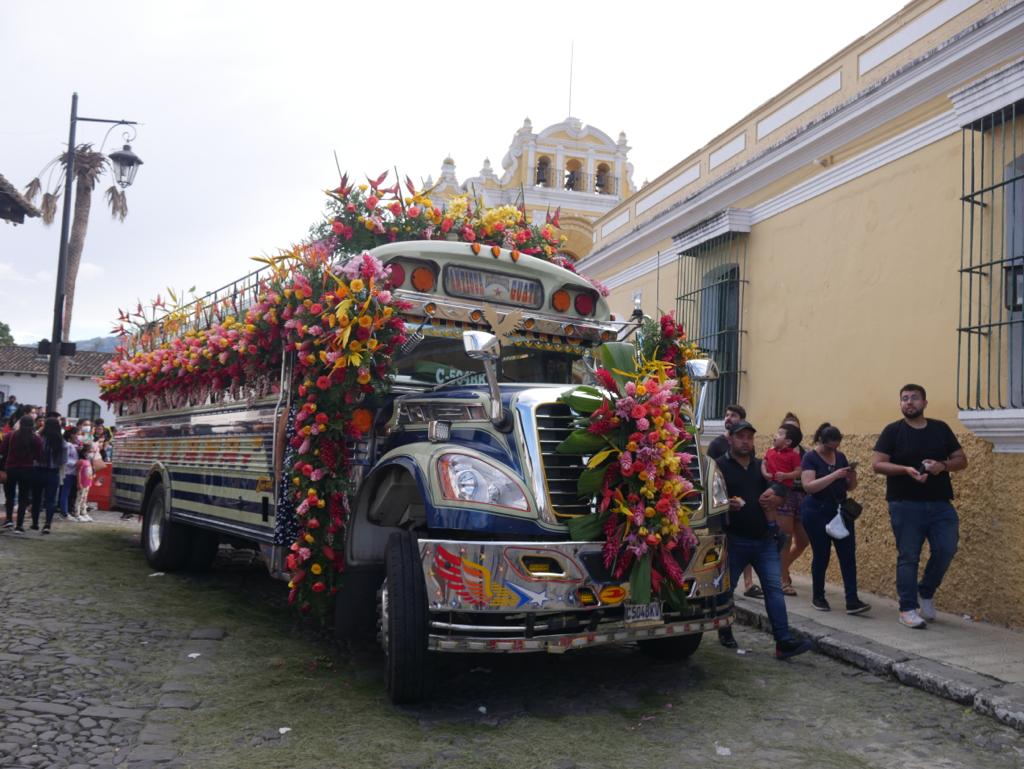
point(633, 428)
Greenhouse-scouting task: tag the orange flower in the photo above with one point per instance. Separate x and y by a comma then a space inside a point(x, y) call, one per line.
point(362, 420)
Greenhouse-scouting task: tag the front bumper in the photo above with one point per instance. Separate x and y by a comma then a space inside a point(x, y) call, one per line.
point(554, 596)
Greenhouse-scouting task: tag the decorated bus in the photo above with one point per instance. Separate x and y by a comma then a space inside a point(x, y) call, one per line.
point(452, 446)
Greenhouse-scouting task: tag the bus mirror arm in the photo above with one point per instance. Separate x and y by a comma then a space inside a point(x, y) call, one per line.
point(486, 348)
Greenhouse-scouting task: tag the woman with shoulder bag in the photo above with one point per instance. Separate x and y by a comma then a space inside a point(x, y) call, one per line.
point(827, 476)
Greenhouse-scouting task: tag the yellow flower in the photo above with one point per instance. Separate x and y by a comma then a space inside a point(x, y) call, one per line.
point(365, 321)
point(356, 285)
point(371, 344)
point(316, 568)
point(363, 378)
point(355, 345)
point(309, 539)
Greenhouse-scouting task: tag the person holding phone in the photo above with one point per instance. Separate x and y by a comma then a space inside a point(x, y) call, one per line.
point(916, 456)
point(827, 476)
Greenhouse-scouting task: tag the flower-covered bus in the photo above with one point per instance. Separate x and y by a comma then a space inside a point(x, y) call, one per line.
point(444, 444)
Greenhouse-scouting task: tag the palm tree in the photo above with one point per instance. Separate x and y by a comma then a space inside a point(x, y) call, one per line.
point(89, 167)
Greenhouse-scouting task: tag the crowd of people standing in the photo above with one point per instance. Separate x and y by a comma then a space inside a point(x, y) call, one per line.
point(47, 464)
point(794, 496)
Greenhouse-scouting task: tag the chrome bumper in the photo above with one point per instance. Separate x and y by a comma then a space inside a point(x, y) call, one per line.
point(526, 596)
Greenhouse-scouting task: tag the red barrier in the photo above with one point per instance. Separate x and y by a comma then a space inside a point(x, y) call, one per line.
point(102, 483)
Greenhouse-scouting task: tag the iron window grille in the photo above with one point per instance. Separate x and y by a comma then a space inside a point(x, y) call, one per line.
point(709, 304)
point(990, 345)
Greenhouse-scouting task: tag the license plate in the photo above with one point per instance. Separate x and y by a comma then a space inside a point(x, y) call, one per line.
point(643, 613)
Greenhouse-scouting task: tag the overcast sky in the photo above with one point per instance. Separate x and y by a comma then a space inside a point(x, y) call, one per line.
point(243, 104)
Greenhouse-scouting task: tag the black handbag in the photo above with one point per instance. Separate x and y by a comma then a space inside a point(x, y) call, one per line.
point(851, 509)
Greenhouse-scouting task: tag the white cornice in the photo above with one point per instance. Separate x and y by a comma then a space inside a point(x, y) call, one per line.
point(974, 50)
point(989, 94)
point(1003, 428)
point(897, 147)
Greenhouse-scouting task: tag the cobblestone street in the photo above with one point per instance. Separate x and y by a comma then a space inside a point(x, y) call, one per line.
point(105, 663)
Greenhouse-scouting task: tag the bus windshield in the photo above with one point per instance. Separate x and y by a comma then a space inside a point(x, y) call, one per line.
point(437, 360)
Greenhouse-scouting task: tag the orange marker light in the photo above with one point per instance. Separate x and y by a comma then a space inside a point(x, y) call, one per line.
point(422, 279)
point(559, 300)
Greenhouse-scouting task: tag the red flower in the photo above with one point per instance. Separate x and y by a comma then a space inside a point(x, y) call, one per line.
point(372, 201)
point(338, 227)
point(323, 382)
point(319, 587)
point(604, 376)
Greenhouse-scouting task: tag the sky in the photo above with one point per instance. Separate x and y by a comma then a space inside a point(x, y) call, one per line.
point(243, 106)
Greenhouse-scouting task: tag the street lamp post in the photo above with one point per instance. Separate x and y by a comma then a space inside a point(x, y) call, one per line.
point(125, 164)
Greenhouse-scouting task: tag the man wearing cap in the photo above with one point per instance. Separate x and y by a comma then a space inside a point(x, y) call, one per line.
point(751, 538)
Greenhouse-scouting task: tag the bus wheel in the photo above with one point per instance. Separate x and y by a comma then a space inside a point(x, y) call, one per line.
point(679, 648)
point(165, 543)
point(403, 621)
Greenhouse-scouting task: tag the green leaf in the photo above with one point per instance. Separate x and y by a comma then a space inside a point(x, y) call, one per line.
point(590, 481)
point(583, 399)
point(640, 580)
point(618, 357)
point(581, 442)
point(588, 527)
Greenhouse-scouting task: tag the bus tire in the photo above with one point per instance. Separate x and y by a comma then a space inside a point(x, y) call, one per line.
point(355, 605)
point(403, 615)
point(679, 648)
point(165, 543)
point(203, 549)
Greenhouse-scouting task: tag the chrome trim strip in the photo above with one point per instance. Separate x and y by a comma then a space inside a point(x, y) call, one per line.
point(559, 644)
point(255, 533)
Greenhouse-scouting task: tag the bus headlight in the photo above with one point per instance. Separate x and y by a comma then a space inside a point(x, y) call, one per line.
point(468, 479)
point(719, 494)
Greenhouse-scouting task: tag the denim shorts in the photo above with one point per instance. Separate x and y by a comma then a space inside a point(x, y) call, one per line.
point(790, 506)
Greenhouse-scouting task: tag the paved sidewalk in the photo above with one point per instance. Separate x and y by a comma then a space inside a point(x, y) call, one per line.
point(973, 663)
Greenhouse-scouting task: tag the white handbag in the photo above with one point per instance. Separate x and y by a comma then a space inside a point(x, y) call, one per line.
point(836, 528)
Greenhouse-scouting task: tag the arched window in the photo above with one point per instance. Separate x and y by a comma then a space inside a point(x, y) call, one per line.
point(603, 181)
point(543, 171)
point(573, 175)
point(83, 409)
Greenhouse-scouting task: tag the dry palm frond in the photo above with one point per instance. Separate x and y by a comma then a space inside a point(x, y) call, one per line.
point(48, 206)
point(33, 189)
point(117, 202)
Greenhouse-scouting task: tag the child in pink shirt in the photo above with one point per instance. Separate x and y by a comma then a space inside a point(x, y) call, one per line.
point(84, 484)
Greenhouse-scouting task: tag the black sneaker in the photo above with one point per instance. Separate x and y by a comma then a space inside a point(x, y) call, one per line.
point(19, 530)
point(34, 527)
point(790, 648)
point(857, 607)
point(8, 524)
point(46, 530)
point(727, 639)
point(820, 604)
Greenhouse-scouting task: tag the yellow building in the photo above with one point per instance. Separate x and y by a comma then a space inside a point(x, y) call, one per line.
point(567, 166)
point(861, 230)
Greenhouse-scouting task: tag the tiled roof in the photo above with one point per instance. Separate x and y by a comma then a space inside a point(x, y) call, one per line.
point(15, 359)
point(13, 205)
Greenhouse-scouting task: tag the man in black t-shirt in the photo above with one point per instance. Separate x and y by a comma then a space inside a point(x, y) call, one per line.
point(750, 539)
point(917, 455)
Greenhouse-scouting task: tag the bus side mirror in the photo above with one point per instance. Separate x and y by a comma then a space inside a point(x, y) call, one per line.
point(702, 371)
point(481, 346)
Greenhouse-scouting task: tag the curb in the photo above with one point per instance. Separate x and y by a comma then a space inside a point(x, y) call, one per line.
point(988, 696)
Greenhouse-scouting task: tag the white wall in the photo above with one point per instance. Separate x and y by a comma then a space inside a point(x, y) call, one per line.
point(31, 388)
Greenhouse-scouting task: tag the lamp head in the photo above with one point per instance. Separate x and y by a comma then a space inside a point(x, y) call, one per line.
point(126, 163)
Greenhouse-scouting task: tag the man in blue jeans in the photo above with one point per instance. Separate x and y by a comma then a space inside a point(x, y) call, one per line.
point(917, 455)
point(751, 540)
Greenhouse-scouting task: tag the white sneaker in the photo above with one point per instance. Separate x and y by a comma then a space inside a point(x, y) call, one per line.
point(77, 518)
point(87, 518)
point(927, 610)
point(912, 619)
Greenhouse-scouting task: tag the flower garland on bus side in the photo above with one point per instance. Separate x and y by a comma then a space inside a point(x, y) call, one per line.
point(634, 431)
point(343, 325)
